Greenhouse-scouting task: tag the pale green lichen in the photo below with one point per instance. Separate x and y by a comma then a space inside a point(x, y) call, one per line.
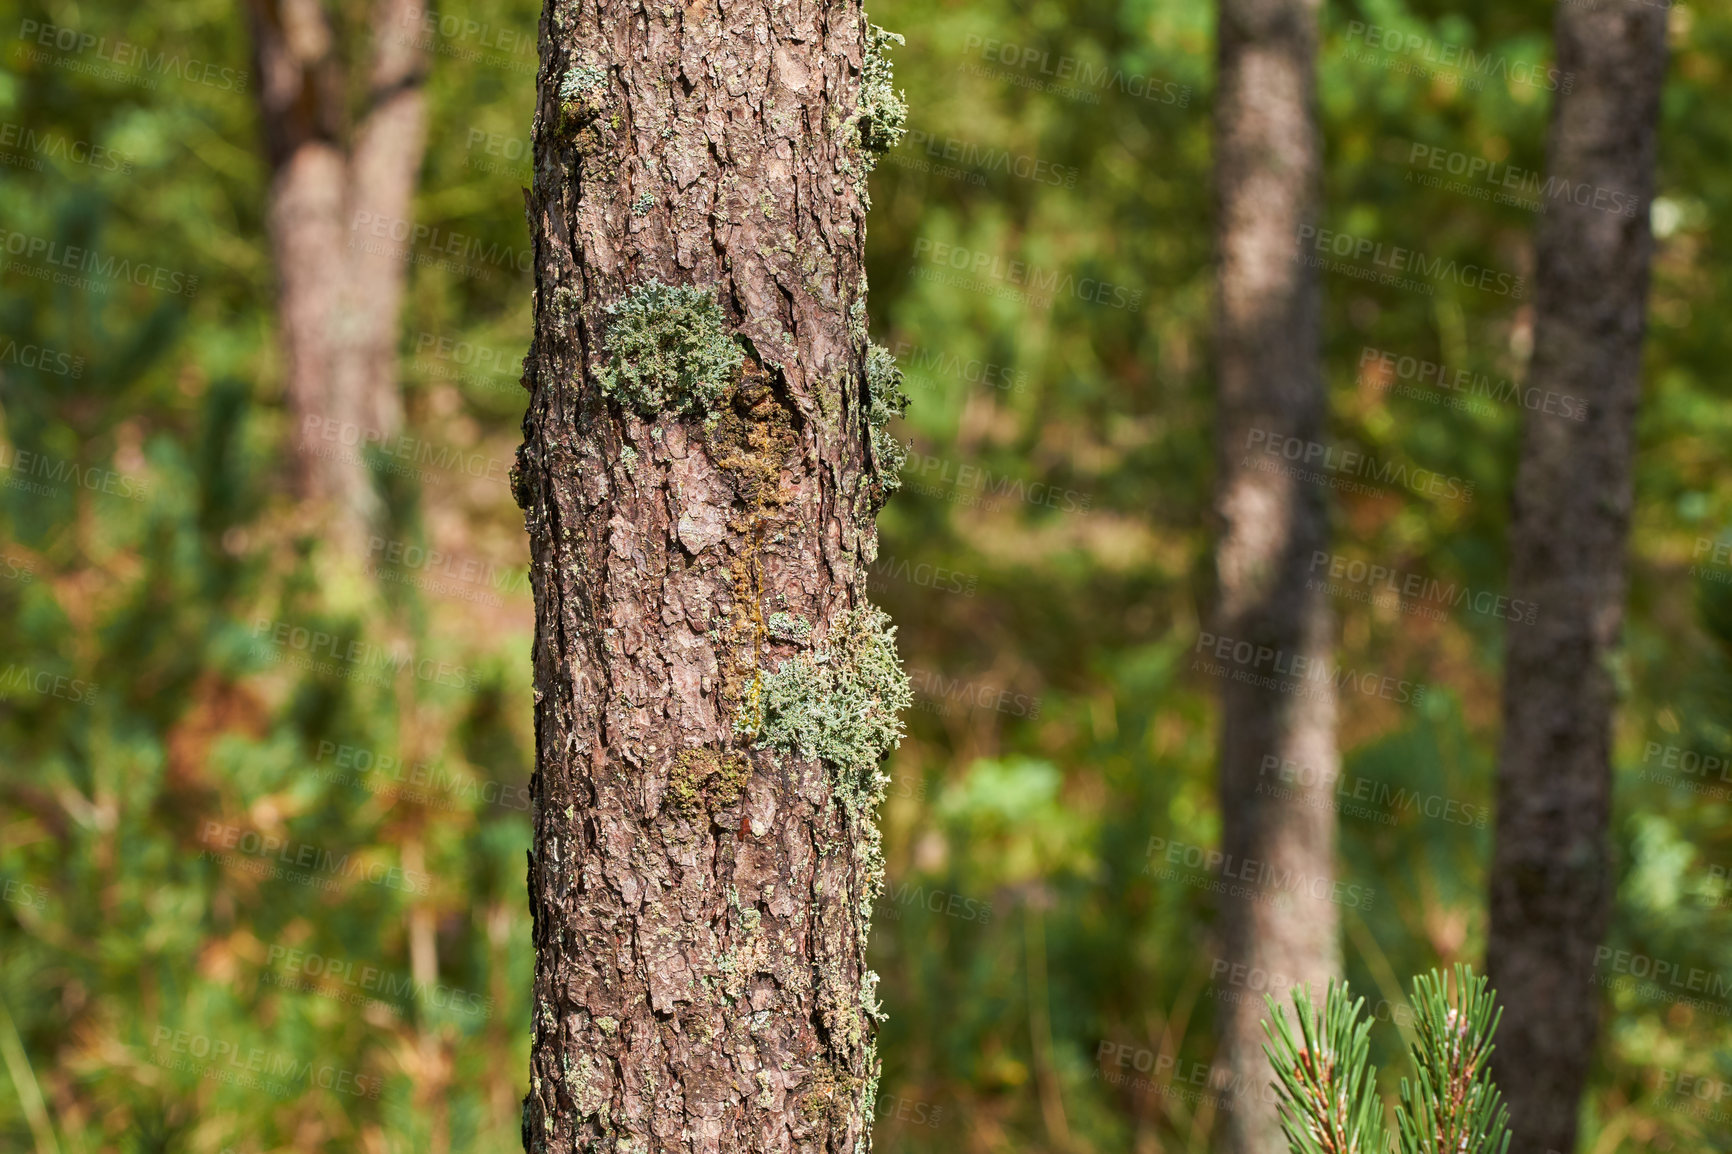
point(790, 625)
point(857, 323)
point(582, 94)
point(884, 384)
point(582, 81)
point(883, 114)
point(671, 351)
point(644, 202)
point(842, 703)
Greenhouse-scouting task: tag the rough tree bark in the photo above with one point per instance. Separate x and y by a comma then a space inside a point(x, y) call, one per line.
point(339, 293)
point(1267, 162)
point(1551, 873)
point(704, 457)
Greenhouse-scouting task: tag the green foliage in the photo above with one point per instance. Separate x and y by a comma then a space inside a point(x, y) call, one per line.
point(991, 801)
point(1453, 1107)
point(670, 350)
point(1325, 1083)
point(1327, 1087)
point(842, 702)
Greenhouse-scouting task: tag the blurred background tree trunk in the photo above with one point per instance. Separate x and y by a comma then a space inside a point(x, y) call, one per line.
point(700, 902)
point(1551, 879)
point(1267, 163)
point(340, 288)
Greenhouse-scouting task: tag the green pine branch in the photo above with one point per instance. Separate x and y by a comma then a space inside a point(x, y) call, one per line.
point(1453, 1107)
point(1326, 1087)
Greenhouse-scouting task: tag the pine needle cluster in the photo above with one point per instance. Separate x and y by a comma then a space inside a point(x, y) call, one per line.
point(1325, 1084)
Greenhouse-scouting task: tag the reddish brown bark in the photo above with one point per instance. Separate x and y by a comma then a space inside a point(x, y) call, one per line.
point(700, 898)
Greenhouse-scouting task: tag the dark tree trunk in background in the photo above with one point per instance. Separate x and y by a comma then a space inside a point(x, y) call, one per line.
point(339, 289)
point(1267, 165)
point(700, 474)
point(1551, 875)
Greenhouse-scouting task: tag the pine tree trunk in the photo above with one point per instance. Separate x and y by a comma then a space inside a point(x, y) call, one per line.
point(339, 290)
point(704, 456)
point(1267, 175)
point(1551, 875)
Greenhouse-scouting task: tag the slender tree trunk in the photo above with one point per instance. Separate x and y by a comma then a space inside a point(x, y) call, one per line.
point(1551, 874)
point(384, 161)
point(703, 460)
point(1267, 175)
point(339, 291)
